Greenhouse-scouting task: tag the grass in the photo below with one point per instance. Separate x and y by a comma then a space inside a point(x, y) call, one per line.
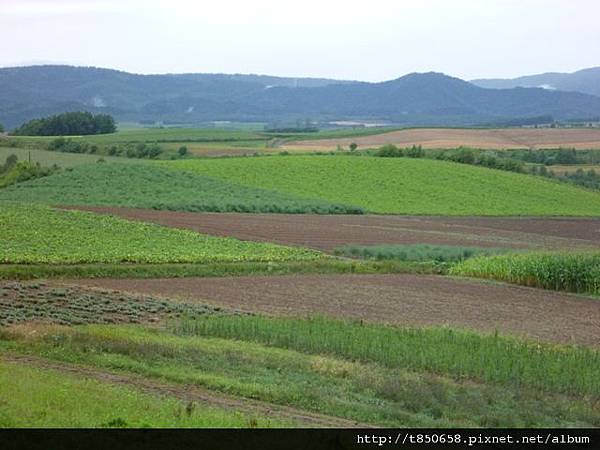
point(38, 234)
point(463, 354)
point(65, 160)
point(402, 185)
point(219, 269)
point(152, 186)
point(415, 252)
point(44, 398)
point(325, 381)
point(573, 271)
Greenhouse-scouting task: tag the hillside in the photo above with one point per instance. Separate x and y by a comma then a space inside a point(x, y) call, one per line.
point(414, 99)
point(586, 81)
point(402, 185)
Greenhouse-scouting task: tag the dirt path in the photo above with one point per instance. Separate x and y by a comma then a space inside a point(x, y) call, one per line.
point(189, 393)
point(326, 232)
point(398, 299)
point(495, 139)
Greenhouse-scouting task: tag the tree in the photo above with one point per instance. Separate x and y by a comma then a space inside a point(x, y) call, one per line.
point(68, 124)
point(353, 146)
point(183, 150)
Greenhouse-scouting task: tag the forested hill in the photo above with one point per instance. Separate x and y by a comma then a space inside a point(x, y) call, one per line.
point(415, 99)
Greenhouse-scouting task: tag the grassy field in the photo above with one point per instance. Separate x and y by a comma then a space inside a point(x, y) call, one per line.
point(415, 252)
point(402, 185)
point(65, 160)
point(34, 397)
point(152, 186)
point(573, 271)
point(460, 378)
point(38, 234)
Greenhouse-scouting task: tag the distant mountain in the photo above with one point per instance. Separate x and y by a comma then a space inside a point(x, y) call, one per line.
point(415, 99)
point(586, 81)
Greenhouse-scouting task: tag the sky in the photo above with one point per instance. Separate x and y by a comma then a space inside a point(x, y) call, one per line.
point(369, 40)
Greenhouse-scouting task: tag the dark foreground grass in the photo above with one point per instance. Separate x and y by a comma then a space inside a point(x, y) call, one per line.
point(325, 265)
point(415, 252)
point(33, 397)
point(324, 381)
point(489, 358)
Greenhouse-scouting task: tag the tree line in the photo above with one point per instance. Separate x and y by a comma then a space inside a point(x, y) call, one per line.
point(68, 124)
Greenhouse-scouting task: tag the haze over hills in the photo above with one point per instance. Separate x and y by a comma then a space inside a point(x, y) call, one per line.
point(586, 81)
point(415, 99)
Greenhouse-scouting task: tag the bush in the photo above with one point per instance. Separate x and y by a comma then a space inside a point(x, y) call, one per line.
point(389, 151)
point(183, 150)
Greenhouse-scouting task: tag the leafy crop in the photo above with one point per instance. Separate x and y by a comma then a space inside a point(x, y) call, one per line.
point(152, 186)
point(403, 185)
point(38, 234)
point(574, 272)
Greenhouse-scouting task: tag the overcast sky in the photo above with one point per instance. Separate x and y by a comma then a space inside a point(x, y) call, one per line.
point(370, 40)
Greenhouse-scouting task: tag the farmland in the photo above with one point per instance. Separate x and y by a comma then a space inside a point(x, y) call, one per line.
point(402, 185)
point(38, 234)
point(151, 186)
point(285, 290)
point(328, 232)
point(440, 138)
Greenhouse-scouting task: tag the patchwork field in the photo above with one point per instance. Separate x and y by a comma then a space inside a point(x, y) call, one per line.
point(398, 299)
point(328, 232)
point(283, 290)
point(439, 138)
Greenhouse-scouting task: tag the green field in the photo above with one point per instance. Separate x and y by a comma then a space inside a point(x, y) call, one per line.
point(153, 186)
point(39, 234)
point(431, 377)
point(403, 185)
point(34, 397)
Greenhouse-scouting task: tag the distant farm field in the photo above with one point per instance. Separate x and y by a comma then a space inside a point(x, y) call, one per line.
point(65, 160)
point(402, 185)
point(497, 139)
point(38, 234)
point(152, 186)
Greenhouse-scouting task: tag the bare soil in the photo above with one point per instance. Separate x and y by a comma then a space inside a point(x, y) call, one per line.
point(326, 232)
point(439, 138)
point(413, 300)
point(189, 393)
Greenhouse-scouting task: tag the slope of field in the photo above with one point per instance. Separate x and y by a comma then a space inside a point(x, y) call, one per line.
point(49, 158)
point(38, 234)
point(497, 139)
point(397, 299)
point(328, 232)
point(151, 186)
point(402, 185)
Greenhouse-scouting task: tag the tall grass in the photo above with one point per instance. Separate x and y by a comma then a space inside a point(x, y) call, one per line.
point(490, 358)
point(415, 252)
point(573, 272)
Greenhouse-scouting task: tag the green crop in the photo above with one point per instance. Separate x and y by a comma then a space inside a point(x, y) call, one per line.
point(38, 234)
point(402, 185)
point(152, 186)
point(574, 272)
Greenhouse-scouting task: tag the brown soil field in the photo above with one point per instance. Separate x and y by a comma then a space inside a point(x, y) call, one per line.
point(326, 232)
point(497, 139)
point(414, 300)
point(188, 393)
